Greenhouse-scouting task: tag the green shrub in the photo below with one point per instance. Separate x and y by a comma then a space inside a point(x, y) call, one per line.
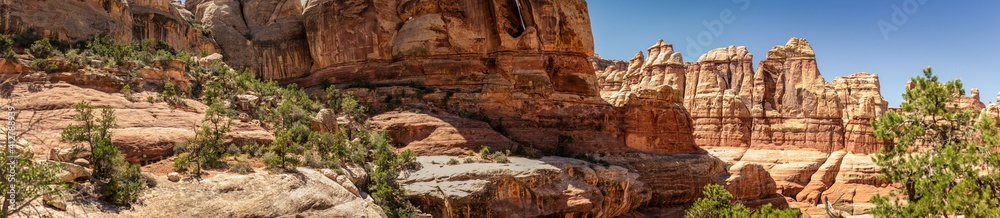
point(127, 92)
point(42, 49)
point(169, 95)
point(387, 165)
point(125, 185)
point(241, 166)
point(484, 153)
point(500, 157)
point(40, 64)
point(207, 148)
point(94, 132)
point(32, 180)
point(120, 182)
point(6, 47)
point(452, 161)
point(718, 202)
point(287, 146)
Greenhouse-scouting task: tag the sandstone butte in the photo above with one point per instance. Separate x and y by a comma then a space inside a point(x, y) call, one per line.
point(504, 74)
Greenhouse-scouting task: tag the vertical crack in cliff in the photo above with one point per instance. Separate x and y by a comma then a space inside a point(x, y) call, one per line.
point(520, 17)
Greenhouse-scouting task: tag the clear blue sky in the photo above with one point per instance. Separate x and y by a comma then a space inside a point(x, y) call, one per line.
point(959, 39)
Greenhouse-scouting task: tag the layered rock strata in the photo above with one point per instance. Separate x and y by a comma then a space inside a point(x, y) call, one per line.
point(781, 117)
point(862, 102)
point(717, 92)
point(793, 106)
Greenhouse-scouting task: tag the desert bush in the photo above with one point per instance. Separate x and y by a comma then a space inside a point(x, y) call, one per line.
point(207, 148)
point(42, 49)
point(386, 167)
point(120, 182)
point(241, 166)
point(169, 95)
point(127, 92)
point(717, 202)
point(125, 184)
point(6, 47)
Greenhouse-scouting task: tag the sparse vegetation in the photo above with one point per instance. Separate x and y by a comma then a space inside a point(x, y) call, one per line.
point(127, 92)
point(169, 95)
point(6, 46)
point(717, 202)
point(241, 166)
point(42, 49)
point(207, 148)
point(121, 182)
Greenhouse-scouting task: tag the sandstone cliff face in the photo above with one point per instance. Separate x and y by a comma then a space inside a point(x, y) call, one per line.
point(793, 106)
point(522, 66)
point(783, 118)
point(383, 30)
point(718, 90)
point(862, 102)
point(120, 19)
point(169, 22)
point(267, 36)
point(68, 20)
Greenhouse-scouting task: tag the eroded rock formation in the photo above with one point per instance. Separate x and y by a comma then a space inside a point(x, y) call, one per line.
point(717, 92)
point(862, 102)
point(267, 36)
point(782, 118)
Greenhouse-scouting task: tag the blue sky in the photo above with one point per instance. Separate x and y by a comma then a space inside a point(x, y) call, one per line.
point(959, 39)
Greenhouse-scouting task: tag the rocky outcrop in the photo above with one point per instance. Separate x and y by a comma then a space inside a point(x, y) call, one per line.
point(391, 30)
point(782, 119)
point(970, 102)
point(717, 92)
point(793, 106)
point(993, 110)
point(862, 102)
point(439, 134)
point(266, 36)
point(550, 186)
point(170, 22)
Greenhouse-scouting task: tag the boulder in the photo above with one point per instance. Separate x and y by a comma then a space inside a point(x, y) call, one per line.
point(174, 177)
point(70, 172)
point(325, 121)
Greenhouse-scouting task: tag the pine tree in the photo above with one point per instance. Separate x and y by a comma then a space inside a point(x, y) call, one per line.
point(943, 160)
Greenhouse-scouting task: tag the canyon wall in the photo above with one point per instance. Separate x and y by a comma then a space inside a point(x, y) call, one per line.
point(811, 136)
point(446, 77)
point(131, 20)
